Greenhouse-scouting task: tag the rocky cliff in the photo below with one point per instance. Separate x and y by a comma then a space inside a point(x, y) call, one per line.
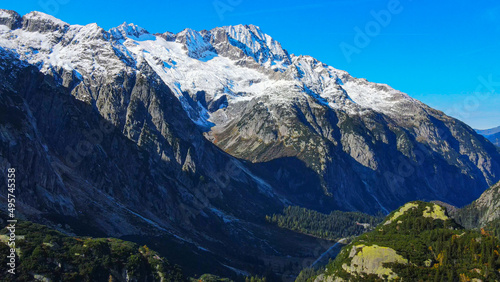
point(482, 211)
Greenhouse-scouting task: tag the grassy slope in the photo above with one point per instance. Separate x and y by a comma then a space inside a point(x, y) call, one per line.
point(436, 248)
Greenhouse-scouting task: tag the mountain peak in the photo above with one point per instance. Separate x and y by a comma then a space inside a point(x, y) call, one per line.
point(128, 30)
point(39, 16)
point(10, 19)
point(259, 45)
point(189, 32)
point(246, 29)
point(36, 15)
point(195, 43)
point(41, 22)
point(417, 208)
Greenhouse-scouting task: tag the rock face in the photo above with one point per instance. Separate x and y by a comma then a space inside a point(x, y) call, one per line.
point(199, 135)
point(495, 139)
point(10, 19)
point(482, 211)
point(371, 260)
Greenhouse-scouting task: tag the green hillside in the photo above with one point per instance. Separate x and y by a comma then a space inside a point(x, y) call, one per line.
point(417, 242)
point(333, 226)
point(43, 253)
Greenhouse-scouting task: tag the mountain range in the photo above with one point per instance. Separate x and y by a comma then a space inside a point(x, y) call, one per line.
point(492, 134)
point(187, 141)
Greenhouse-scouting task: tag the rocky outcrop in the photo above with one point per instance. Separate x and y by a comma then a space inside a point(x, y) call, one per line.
point(11, 19)
point(371, 260)
point(40, 22)
point(368, 260)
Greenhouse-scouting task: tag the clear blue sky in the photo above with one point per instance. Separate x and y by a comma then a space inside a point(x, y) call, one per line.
point(436, 51)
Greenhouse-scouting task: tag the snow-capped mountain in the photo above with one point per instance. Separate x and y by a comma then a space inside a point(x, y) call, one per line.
point(257, 102)
point(221, 126)
point(218, 62)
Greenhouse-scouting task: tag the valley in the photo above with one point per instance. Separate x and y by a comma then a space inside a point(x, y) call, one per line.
point(221, 152)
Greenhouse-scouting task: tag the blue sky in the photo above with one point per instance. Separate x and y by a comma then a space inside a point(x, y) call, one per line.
point(444, 53)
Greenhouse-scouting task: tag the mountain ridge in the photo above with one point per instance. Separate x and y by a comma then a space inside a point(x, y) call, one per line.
point(492, 134)
point(489, 131)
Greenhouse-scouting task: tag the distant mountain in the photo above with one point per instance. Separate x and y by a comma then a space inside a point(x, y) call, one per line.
point(417, 242)
point(495, 139)
point(491, 134)
point(187, 141)
point(487, 132)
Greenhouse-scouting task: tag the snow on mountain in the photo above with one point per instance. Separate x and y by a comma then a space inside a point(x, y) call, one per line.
point(381, 98)
point(197, 47)
point(43, 23)
point(130, 30)
point(10, 19)
point(4, 14)
point(71, 49)
point(262, 47)
point(42, 17)
point(198, 62)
